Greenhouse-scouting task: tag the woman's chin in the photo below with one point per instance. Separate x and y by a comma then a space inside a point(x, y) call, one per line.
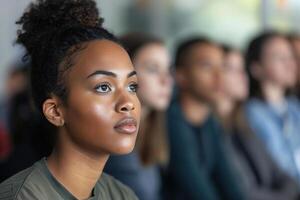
point(161, 106)
point(123, 150)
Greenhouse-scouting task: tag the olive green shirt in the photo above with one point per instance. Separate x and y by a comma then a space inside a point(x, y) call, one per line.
point(37, 183)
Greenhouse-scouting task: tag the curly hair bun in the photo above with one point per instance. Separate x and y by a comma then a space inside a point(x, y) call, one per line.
point(45, 17)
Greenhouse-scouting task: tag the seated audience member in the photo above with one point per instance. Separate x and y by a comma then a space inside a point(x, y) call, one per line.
point(272, 113)
point(260, 176)
point(83, 83)
point(16, 82)
point(199, 166)
point(28, 144)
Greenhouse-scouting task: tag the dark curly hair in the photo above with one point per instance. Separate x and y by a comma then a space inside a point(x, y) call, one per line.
point(53, 32)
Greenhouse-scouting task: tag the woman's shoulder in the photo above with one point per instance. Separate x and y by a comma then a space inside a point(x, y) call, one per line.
point(111, 188)
point(11, 187)
point(255, 103)
point(293, 103)
point(31, 183)
point(256, 109)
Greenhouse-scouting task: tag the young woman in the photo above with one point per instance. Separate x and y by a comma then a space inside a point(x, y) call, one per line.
point(140, 169)
point(272, 113)
point(84, 84)
point(257, 171)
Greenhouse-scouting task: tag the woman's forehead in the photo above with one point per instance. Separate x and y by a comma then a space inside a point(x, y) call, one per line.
point(103, 55)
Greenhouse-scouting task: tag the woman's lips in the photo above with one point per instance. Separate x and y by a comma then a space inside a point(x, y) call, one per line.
point(127, 125)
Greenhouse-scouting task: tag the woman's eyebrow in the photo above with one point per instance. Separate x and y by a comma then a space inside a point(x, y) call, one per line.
point(108, 73)
point(102, 72)
point(131, 74)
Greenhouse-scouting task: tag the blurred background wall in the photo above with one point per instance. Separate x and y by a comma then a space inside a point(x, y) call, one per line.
point(229, 21)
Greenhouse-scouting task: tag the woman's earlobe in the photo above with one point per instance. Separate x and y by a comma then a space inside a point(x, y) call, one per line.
point(53, 112)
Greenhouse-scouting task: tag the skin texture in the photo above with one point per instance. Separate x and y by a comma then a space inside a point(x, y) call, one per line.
point(96, 103)
point(101, 111)
point(200, 81)
point(152, 63)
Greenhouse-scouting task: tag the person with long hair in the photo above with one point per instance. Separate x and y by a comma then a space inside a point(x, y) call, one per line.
point(140, 170)
point(259, 175)
point(272, 113)
point(84, 84)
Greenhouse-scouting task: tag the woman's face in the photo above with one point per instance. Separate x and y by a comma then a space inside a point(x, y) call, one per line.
point(102, 111)
point(235, 81)
point(152, 63)
point(278, 63)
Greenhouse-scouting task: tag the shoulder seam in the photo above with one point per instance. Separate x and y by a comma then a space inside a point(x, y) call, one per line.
point(25, 179)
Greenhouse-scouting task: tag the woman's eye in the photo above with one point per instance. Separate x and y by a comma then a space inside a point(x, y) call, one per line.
point(133, 87)
point(103, 88)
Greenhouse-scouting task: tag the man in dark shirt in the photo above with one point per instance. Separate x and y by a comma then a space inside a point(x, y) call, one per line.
point(199, 166)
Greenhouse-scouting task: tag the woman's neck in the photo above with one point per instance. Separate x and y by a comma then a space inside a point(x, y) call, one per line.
point(273, 94)
point(194, 111)
point(77, 171)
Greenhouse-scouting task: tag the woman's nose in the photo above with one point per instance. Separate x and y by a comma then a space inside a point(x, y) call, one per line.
point(124, 104)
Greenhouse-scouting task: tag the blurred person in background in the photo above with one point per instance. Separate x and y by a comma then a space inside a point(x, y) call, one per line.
point(199, 166)
point(15, 82)
point(26, 126)
point(259, 175)
point(295, 41)
point(140, 170)
point(272, 113)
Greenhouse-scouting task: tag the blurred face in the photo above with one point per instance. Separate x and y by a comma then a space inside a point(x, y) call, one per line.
point(235, 81)
point(102, 110)
point(15, 83)
point(296, 45)
point(278, 63)
point(152, 64)
point(202, 74)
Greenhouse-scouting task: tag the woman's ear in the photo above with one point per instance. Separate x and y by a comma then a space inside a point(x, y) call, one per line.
point(52, 109)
